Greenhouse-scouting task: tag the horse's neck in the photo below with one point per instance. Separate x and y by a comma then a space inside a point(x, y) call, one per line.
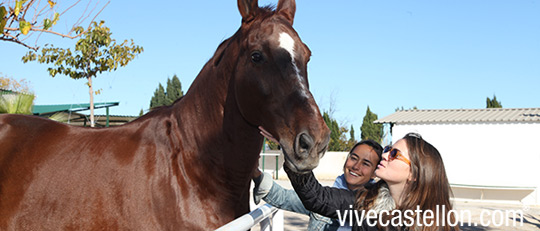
point(227, 145)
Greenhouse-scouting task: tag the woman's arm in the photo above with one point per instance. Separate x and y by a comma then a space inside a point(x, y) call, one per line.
point(277, 196)
point(285, 199)
point(326, 201)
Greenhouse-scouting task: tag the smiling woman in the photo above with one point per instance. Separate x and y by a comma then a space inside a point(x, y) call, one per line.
point(403, 189)
point(361, 163)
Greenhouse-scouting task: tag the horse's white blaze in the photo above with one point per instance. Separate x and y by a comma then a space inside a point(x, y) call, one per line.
point(287, 42)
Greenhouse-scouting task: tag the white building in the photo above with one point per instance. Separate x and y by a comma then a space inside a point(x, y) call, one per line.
point(489, 154)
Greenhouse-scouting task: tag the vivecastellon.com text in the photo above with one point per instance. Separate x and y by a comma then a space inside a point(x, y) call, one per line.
point(440, 217)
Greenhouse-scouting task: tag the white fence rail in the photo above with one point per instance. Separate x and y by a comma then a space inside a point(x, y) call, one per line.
point(269, 217)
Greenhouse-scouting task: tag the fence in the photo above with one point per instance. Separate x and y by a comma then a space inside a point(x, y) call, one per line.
point(270, 162)
point(269, 217)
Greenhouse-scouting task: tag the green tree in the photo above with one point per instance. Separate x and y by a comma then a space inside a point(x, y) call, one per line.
point(338, 138)
point(94, 53)
point(493, 103)
point(159, 98)
point(20, 18)
point(332, 124)
point(352, 137)
point(165, 98)
point(174, 90)
point(369, 129)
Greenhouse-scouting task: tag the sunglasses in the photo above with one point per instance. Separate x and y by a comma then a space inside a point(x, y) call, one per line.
point(395, 154)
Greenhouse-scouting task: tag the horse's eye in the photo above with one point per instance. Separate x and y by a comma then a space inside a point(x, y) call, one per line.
point(256, 56)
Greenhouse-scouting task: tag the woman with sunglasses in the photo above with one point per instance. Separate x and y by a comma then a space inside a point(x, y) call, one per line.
point(413, 193)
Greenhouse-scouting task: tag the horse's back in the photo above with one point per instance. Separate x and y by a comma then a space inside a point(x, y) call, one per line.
point(24, 138)
point(57, 176)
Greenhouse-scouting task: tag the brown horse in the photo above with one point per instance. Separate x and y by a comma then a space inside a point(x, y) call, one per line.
point(181, 167)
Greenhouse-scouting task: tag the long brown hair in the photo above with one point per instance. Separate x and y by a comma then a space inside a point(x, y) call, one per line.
point(429, 188)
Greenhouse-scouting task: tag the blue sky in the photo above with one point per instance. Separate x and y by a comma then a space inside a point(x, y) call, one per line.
point(385, 54)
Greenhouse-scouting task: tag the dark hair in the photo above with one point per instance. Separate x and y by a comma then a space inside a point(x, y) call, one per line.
point(373, 144)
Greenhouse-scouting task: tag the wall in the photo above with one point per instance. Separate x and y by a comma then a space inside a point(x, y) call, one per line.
point(330, 167)
point(502, 159)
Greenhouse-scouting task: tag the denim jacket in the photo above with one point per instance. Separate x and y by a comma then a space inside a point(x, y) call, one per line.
point(286, 199)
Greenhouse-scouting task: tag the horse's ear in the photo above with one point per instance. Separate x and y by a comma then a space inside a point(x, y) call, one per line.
point(247, 9)
point(287, 8)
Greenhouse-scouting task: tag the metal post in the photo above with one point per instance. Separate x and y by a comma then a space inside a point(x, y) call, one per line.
point(263, 151)
point(277, 166)
point(107, 123)
point(264, 145)
point(263, 164)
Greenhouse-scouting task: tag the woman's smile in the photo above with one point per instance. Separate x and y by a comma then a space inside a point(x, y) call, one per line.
point(354, 174)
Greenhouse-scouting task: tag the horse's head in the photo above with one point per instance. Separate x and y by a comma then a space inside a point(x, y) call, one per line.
point(271, 84)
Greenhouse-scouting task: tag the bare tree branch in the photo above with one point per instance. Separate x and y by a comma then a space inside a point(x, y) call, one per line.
point(13, 30)
point(15, 40)
point(46, 31)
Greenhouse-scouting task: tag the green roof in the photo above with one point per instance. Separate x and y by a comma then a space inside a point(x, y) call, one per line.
point(41, 109)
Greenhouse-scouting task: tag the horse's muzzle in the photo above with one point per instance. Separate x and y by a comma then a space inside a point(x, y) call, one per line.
point(307, 152)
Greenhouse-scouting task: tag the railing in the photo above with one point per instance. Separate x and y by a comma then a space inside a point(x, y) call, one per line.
point(269, 217)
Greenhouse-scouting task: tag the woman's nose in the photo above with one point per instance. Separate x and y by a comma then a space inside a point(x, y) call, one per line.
point(385, 156)
point(356, 165)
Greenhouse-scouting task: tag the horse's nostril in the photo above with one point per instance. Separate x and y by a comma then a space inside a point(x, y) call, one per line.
point(304, 144)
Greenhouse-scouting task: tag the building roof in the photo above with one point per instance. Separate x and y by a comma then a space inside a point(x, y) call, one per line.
point(42, 109)
point(464, 115)
point(78, 119)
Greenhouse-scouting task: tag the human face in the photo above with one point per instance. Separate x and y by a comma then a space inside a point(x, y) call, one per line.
point(395, 171)
point(359, 166)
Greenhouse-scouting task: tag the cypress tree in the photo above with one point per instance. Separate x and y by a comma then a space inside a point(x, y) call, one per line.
point(174, 89)
point(335, 133)
point(165, 98)
point(493, 103)
point(352, 138)
point(154, 101)
point(159, 98)
point(369, 129)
